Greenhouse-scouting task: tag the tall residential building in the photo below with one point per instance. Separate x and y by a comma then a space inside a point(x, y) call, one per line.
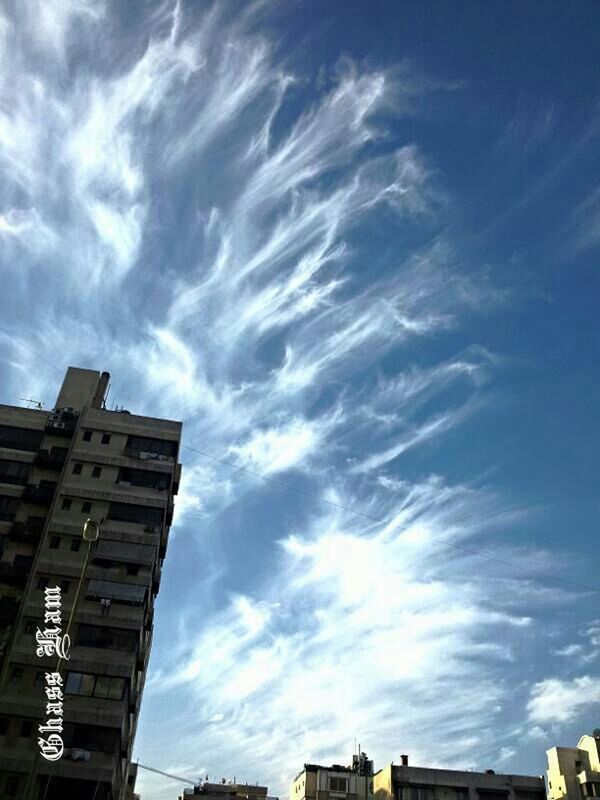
point(316, 782)
point(574, 772)
point(401, 782)
point(58, 469)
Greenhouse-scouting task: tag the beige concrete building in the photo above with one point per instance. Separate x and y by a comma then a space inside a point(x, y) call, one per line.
point(404, 782)
point(58, 469)
point(574, 772)
point(336, 782)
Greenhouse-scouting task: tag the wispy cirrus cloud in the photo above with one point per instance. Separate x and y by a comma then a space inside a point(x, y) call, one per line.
point(267, 258)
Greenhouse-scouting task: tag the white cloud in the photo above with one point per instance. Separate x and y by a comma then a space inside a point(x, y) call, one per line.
point(556, 700)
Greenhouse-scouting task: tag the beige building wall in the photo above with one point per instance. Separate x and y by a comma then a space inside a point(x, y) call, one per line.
point(574, 772)
point(420, 783)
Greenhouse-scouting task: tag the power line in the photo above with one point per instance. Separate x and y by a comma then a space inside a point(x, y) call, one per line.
point(380, 521)
point(31, 350)
point(193, 781)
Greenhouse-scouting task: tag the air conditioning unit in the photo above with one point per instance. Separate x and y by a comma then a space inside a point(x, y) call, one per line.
point(80, 755)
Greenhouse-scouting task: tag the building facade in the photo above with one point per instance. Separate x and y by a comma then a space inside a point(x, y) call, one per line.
point(317, 782)
point(227, 790)
point(57, 469)
point(404, 782)
point(574, 772)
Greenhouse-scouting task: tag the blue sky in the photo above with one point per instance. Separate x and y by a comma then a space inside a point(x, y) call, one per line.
point(354, 247)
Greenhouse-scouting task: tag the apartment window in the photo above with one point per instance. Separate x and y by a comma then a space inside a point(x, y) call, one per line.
point(80, 683)
point(30, 627)
point(91, 737)
point(107, 638)
point(86, 507)
point(87, 436)
point(54, 542)
point(16, 675)
point(43, 582)
point(11, 787)
point(66, 504)
point(8, 508)
point(133, 569)
point(26, 728)
point(96, 472)
point(145, 515)
point(64, 586)
point(156, 447)
point(14, 472)
point(338, 784)
point(77, 469)
point(20, 438)
point(106, 438)
point(40, 678)
point(101, 686)
point(144, 477)
point(3, 726)
point(76, 545)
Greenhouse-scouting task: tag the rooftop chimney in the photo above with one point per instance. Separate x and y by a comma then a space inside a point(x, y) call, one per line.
point(404, 761)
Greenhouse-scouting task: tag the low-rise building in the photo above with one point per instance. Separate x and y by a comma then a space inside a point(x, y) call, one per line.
point(404, 782)
point(317, 782)
point(574, 772)
point(227, 790)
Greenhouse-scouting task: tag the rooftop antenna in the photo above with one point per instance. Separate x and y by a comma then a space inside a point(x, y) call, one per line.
point(37, 403)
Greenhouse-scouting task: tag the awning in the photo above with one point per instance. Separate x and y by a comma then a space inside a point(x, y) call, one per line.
point(130, 552)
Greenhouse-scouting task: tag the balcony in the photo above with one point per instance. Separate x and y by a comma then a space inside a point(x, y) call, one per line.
point(29, 531)
point(62, 422)
point(14, 574)
point(54, 458)
point(42, 494)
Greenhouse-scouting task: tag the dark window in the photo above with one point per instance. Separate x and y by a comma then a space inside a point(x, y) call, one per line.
point(144, 515)
point(66, 503)
point(76, 545)
point(40, 679)
point(133, 569)
point(87, 436)
point(77, 469)
point(86, 507)
point(8, 508)
point(3, 725)
point(338, 784)
point(43, 582)
point(143, 477)
point(105, 438)
point(64, 586)
point(96, 472)
point(20, 438)
point(11, 787)
point(26, 728)
point(155, 447)
point(103, 686)
point(91, 737)
point(54, 542)
point(15, 472)
point(107, 638)
point(30, 627)
point(16, 675)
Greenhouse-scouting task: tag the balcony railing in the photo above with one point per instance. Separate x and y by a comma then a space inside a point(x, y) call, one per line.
point(62, 422)
point(14, 574)
point(54, 458)
point(28, 531)
point(41, 494)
